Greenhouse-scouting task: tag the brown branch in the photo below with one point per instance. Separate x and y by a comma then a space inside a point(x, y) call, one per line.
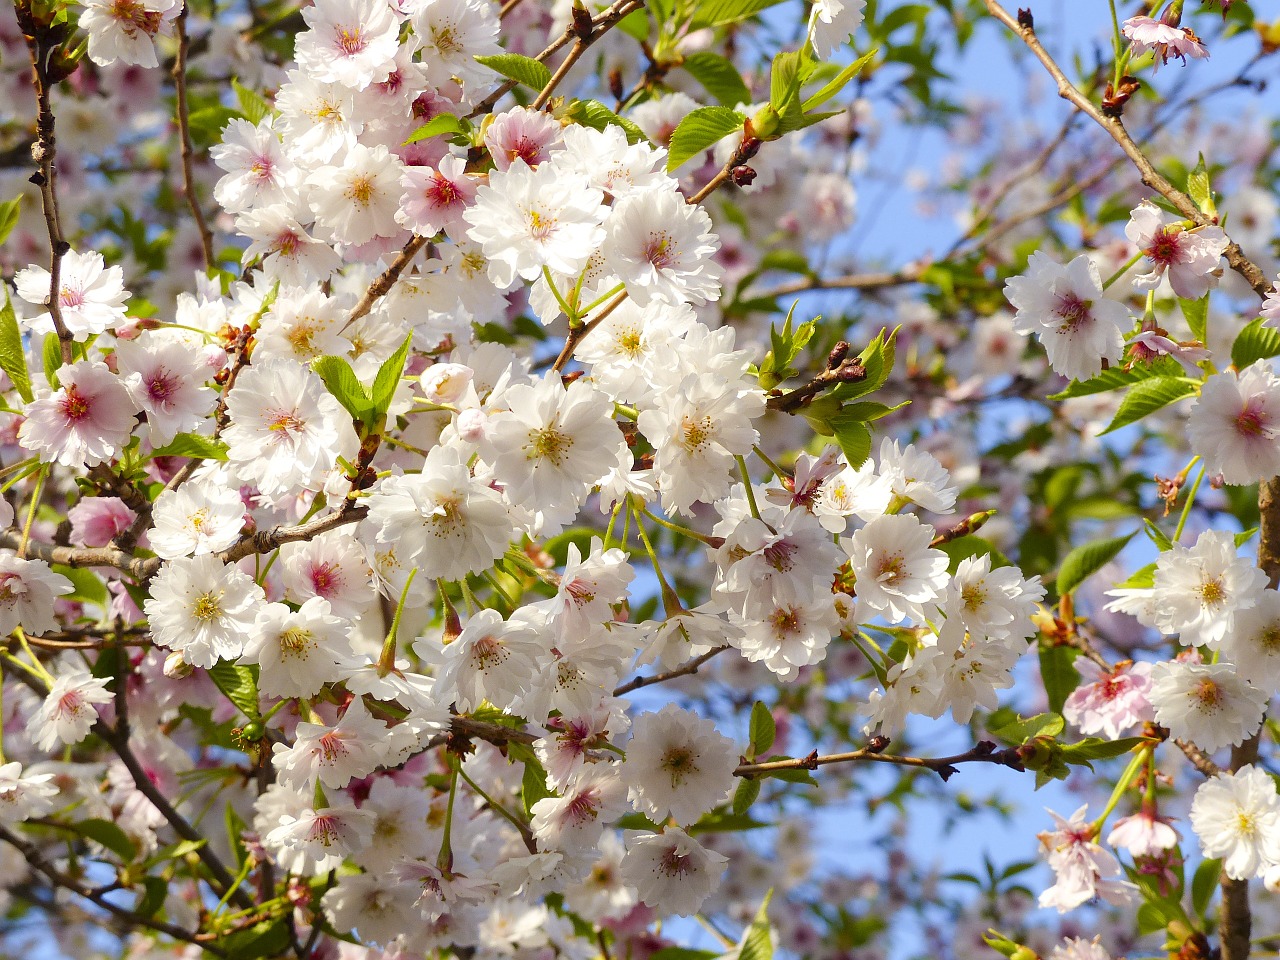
point(386, 280)
point(683, 670)
point(600, 25)
point(32, 854)
point(1114, 126)
point(43, 152)
point(575, 53)
point(117, 738)
point(982, 752)
point(179, 75)
point(841, 368)
point(579, 333)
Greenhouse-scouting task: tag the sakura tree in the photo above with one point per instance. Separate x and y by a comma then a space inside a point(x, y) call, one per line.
point(473, 488)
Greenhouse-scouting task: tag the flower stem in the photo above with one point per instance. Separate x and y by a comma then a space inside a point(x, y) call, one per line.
point(1191, 498)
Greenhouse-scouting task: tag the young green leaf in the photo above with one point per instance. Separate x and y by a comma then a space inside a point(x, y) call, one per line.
point(388, 378)
point(1200, 190)
point(834, 86)
point(239, 684)
point(717, 13)
point(745, 795)
point(110, 836)
point(1086, 560)
point(526, 70)
point(718, 76)
point(192, 445)
point(1146, 397)
point(252, 105)
point(700, 130)
point(594, 114)
point(9, 216)
point(437, 125)
point(763, 729)
point(1255, 342)
point(51, 356)
point(340, 380)
point(13, 359)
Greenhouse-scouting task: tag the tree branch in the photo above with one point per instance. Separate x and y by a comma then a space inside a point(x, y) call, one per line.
point(179, 74)
point(32, 854)
point(1183, 203)
point(946, 767)
point(683, 670)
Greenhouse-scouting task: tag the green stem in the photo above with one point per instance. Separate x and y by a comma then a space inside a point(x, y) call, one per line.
point(1122, 271)
point(667, 593)
point(387, 659)
point(494, 805)
point(676, 527)
point(1121, 786)
point(602, 298)
point(445, 859)
point(746, 483)
point(777, 470)
point(564, 305)
point(1191, 498)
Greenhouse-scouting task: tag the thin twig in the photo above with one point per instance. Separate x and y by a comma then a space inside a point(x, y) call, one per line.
point(983, 752)
point(1114, 126)
point(184, 139)
point(683, 670)
point(32, 854)
point(386, 280)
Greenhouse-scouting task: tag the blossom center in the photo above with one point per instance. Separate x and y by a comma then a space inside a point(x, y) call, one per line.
point(679, 763)
point(350, 42)
point(361, 190)
point(1208, 695)
point(1212, 592)
point(549, 444)
point(208, 607)
point(74, 406)
point(1073, 310)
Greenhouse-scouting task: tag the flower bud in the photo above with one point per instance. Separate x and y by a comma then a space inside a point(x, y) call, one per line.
point(177, 668)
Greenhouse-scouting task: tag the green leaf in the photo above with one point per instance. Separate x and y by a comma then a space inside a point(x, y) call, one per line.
point(1255, 342)
point(9, 216)
point(153, 896)
point(1203, 885)
point(683, 953)
point(971, 545)
point(252, 105)
point(239, 684)
point(1114, 378)
point(13, 360)
point(1086, 560)
point(834, 86)
point(110, 836)
point(1093, 748)
point(763, 729)
point(757, 941)
point(718, 76)
point(388, 378)
point(853, 436)
point(877, 360)
point(787, 75)
point(269, 938)
point(340, 380)
point(88, 585)
point(1196, 313)
point(437, 125)
point(1156, 535)
point(1148, 396)
point(716, 13)
point(745, 795)
point(1019, 731)
point(1151, 919)
point(698, 131)
point(594, 114)
point(526, 70)
point(1199, 189)
point(193, 445)
point(1058, 674)
point(51, 356)
point(533, 785)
